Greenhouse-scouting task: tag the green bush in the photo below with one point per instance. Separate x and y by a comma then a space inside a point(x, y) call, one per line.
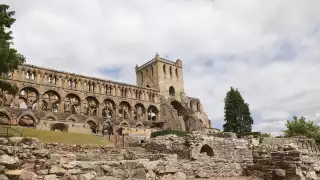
point(166, 132)
point(302, 127)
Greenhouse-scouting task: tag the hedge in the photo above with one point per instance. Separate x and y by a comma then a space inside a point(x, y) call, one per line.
point(166, 132)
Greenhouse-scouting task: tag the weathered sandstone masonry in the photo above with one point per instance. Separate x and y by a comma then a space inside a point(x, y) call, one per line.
point(166, 157)
point(55, 100)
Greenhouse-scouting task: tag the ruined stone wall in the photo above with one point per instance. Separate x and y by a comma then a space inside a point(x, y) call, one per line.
point(47, 94)
point(30, 159)
point(267, 158)
point(285, 159)
point(68, 99)
point(167, 76)
point(216, 155)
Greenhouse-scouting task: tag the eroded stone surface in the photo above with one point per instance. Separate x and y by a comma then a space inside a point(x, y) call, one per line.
point(270, 159)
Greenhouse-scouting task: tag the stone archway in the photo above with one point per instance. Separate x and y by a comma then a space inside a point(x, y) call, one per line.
point(93, 126)
point(50, 101)
point(189, 123)
point(178, 106)
point(27, 119)
point(91, 106)
point(124, 110)
point(5, 118)
point(59, 127)
point(207, 150)
point(153, 113)
point(124, 124)
point(139, 125)
point(109, 108)
point(28, 98)
point(139, 112)
point(71, 104)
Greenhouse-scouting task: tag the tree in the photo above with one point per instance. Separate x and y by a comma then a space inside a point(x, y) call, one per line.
point(237, 113)
point(10, 59)
point(301, 127)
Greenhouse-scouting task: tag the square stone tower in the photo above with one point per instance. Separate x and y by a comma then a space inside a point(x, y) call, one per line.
point(162, 74)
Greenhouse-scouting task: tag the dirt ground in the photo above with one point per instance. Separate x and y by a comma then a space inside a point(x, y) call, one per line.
point(230, 178)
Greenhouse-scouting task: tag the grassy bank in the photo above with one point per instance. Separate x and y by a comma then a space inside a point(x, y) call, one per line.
point(56, 136)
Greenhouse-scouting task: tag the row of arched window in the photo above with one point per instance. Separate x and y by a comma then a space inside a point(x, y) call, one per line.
point(71, 103)
point(89, 86)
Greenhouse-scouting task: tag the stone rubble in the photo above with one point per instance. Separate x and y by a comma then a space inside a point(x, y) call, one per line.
point(165, 157)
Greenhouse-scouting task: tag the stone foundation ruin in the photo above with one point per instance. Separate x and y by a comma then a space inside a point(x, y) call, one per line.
point(194, 156)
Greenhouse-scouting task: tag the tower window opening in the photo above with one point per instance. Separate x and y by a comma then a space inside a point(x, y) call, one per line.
point(171, 91)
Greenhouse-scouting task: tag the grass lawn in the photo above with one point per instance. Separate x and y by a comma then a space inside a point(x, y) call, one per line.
point(57, 136)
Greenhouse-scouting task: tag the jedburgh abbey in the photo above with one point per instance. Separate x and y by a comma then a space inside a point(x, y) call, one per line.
point(50, 99)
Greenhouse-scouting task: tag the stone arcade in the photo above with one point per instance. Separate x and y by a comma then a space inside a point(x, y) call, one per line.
point(55, 100)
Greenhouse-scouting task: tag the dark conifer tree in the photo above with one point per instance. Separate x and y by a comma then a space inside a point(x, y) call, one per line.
point(10, 59)
point(237, 114)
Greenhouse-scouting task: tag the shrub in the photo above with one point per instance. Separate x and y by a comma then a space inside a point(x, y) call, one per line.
point(302, 127)
point(166, 132)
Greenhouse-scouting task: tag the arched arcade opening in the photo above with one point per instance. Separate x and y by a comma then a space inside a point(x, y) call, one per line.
point(59, 127)
point(152, 113)
point(206, 149)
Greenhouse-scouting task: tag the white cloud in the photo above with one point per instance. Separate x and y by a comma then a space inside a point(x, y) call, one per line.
point(274, 114)
point(267, 49)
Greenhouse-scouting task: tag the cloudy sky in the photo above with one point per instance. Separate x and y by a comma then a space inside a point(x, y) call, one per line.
point(269, 50)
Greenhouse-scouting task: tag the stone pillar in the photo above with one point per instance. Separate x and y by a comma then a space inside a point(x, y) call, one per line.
point(49, 108)
point(79, 85)
point(22, 75)
point(82, 107)
point(131, 118)
point(100, 108)
point(116, 113)
point(39, 104)
point(16, 101)
point(60, 106)
point(38, 77)
point(146, 115)
point(61, 83)
point(129, 93)
point(118, 93)
point(158, 115)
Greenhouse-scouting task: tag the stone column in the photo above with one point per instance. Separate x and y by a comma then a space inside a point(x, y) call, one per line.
point(116, 113)
point(60, 106)
point(38, 77)
point(131, 118)
point(39, 104)
point(22, 75)
point(16, 101)
point(146, 115)
point(99, 110)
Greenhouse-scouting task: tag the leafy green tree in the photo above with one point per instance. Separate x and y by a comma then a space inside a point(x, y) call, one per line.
point(301, 127)
point(10, 59)
point(237, 113)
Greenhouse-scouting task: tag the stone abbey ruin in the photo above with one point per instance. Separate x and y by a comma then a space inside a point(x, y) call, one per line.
point(54, 100)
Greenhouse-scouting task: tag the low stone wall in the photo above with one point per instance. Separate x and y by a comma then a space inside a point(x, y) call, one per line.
point(284, 163)
point(164, 157)
point(27, 158)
